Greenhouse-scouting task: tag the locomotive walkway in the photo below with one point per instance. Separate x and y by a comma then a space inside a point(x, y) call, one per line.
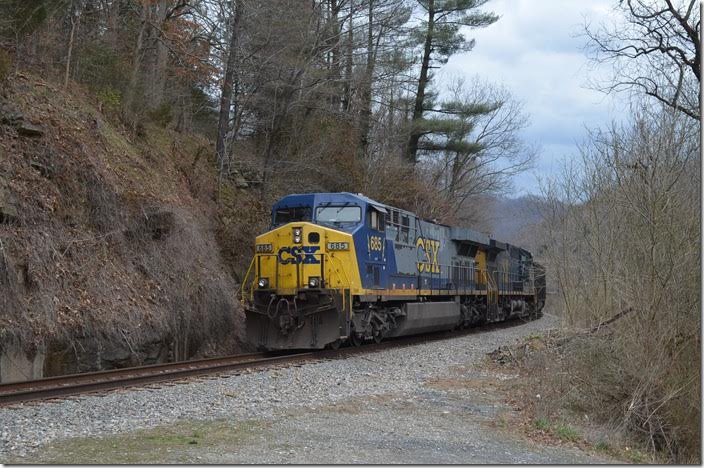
point(408, 404)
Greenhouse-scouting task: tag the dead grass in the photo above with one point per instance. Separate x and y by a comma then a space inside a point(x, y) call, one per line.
point(549, 409)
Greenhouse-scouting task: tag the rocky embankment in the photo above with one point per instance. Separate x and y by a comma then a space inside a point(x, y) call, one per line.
point(111, 250)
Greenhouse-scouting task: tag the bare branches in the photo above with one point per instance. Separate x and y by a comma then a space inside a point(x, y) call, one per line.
point(623, 234)
point(655, 50)
point(491, 152)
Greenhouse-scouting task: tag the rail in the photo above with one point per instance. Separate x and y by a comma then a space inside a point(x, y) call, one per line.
point(92, 382)
point(53, 387)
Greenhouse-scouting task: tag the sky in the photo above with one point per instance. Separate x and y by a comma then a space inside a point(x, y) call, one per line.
point(536, 52)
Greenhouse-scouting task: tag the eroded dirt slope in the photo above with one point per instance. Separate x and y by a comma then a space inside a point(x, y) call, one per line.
point(109, 252)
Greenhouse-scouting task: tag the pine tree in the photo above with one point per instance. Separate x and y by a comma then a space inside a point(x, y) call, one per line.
point(440, 36)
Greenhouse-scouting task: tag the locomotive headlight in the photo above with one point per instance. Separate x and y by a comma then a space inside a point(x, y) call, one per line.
point(263, 283)
point(314, 282)
point(297, 235)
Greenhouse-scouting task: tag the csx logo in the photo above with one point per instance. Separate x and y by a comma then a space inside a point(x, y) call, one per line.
point(294, 255)
point(428, 255)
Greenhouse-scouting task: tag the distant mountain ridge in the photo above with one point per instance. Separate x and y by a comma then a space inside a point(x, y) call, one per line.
point(511, 220)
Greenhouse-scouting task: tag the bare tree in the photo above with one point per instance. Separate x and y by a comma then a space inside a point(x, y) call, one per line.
point(75, 17)
point(623, 235)
point(226, 91)
point(655, 49)
point(484, 149)
point(384, 22)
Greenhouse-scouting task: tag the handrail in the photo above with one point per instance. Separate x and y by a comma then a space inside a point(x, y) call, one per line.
point(498, 280)
point(473, 277)
point(244, 283)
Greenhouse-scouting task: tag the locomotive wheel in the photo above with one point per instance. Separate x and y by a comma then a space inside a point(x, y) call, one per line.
point(377, 337)
point(355, 339)
point(335, 345)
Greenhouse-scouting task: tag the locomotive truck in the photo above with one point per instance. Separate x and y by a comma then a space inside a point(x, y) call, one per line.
point(340, 268)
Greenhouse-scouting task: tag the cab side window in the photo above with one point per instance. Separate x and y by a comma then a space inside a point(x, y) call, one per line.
point(405, 229)
point(375, 219)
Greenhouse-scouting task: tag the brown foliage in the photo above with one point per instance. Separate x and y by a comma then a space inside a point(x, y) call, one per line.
point(624, 234)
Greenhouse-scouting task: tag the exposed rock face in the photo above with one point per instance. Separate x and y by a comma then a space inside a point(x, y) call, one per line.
point(8, 202)
point(11, 116)
point(16, 366)
point(108, 257)
point(30, 130)
point(91, 354)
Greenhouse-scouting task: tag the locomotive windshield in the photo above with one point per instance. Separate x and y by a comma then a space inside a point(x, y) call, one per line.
point(338, 215)
point(291, 214)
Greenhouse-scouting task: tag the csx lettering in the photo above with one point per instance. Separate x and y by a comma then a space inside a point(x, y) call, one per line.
point(294, 255)
point(428, 255)
point(375, 243)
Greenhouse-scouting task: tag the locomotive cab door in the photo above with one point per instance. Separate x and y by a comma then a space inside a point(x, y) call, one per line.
point(376, 247)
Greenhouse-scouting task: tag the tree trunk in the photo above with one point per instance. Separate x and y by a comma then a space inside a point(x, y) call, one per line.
point(161, 58)
point(112, 33)
point(335, 50)
point(347, 91)
point(422, 82)
point(226, 93)
point(130, 93)
point(365, 112)
point(75, 18)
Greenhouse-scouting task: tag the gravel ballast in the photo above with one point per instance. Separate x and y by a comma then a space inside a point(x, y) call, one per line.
point(384, 407)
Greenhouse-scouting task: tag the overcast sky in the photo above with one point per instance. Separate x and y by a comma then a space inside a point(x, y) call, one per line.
point(535, 51)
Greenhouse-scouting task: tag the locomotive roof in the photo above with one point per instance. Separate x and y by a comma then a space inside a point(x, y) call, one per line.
point(460, 234)
point(299, 199)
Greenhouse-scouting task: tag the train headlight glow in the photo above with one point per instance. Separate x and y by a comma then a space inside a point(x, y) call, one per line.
point(297, 235)
point(263, 283)
point(314, 282)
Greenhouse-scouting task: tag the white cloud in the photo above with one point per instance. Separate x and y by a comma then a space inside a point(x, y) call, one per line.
point(535, 50)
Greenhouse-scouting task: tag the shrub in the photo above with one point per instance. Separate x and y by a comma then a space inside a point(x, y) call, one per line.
point(5, 65)
point(109, 99)
point(565, 432)
point(162, 115)
point(542, 424)
point(623, 225)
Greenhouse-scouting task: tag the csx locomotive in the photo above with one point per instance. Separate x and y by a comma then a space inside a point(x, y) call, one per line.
point(341, 268)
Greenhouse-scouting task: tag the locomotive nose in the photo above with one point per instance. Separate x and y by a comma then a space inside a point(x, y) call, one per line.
point(295, 259)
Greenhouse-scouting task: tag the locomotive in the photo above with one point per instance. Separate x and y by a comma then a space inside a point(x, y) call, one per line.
point(340, 268)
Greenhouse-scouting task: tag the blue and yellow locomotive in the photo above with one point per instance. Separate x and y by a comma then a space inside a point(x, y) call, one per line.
point(340, 267)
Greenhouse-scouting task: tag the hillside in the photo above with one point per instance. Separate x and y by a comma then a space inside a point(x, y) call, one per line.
point(112, 247)
point(514, 220)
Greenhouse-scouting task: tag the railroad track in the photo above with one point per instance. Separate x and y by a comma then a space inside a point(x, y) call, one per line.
point(90, 382)
point(62, 386)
